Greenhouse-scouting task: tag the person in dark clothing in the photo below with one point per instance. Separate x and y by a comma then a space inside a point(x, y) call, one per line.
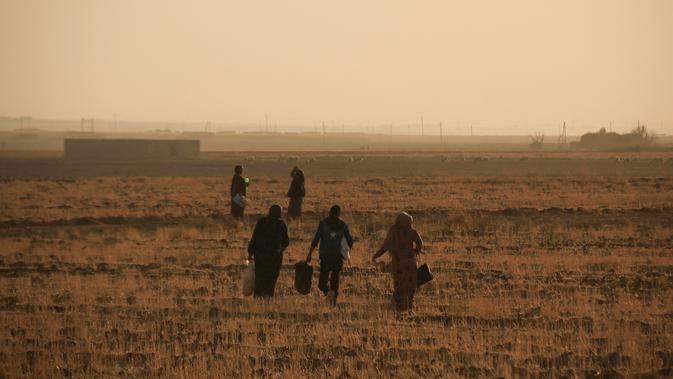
point(296, 193)
point(329, 234)
point(269, 240)
point(238, 187)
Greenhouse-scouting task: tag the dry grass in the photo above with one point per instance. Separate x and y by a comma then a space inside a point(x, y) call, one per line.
point(535, 276)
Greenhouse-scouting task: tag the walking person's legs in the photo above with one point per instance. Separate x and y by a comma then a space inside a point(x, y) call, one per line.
point(399, 299)
point(267, 268)
point(334, 280)
point(294, 209)
point(261, 277)
point(411, 300)
point(404, 299)
point(273, 274)
point(324, 277)
point(328, 282)
point(236, 211)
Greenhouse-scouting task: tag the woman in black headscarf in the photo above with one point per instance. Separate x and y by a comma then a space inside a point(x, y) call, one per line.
point(269, 240)
point(238, 187)
point(296, 193)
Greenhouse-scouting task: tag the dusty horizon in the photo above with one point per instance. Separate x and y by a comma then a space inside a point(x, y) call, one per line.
point(411, 129)
point(505, 68)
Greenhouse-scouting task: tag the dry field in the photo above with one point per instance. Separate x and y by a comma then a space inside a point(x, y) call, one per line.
point(536, 276)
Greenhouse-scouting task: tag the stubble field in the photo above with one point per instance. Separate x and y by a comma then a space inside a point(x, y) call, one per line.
point(535, 276)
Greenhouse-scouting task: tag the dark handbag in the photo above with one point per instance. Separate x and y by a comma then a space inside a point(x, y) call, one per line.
point(424, 274)
point(303, 274)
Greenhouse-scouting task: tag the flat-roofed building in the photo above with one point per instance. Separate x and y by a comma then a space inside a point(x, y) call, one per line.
point(130, 149)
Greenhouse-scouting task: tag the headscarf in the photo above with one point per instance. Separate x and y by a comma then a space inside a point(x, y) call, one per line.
point(333, 219)
point(298, 175)
point(404, 221)
point(335, 211)
point(275, 212)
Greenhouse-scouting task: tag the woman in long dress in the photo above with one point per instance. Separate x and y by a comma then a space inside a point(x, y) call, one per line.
point(404, 243)
point(267, 244)
point(296, 193)
point(238, 187)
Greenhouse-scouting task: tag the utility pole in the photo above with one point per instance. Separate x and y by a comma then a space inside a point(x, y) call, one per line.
point(266, 121)
point(441, 134)
point(323, 133)
point(471, 131)
point(422, 127)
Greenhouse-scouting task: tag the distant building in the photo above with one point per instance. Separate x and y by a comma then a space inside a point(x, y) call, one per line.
point(199, 135)
point(130, 149)
point(25, 134)
point(603, 140)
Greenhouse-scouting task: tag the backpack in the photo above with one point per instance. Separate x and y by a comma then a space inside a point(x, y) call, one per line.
point(330, 240)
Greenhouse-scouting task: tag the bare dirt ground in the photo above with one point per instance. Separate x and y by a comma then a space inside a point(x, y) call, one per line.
point(538, 273)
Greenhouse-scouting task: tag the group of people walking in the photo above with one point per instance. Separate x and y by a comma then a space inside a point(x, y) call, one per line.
point(270, 239)
point(239, 190)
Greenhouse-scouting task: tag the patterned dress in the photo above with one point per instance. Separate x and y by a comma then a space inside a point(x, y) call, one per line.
point(400, 244)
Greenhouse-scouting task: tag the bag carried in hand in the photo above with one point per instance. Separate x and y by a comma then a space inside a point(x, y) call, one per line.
point(303, 274)
point(424, 274)
point(249, 279)
point(240, 200)
point(345, 249)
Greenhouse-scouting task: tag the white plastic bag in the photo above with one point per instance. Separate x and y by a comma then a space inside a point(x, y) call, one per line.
point(249, 278)
point(345, 249)
point(240, 200)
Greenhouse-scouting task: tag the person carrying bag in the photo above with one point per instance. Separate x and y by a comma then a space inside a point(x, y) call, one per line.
point(329, 235)
point(267, 244)
point(403, 243)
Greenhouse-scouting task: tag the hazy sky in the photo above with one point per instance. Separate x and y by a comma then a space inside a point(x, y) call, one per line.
point(506, 63)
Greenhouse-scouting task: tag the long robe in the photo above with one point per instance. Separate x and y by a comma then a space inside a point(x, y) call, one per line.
point(400, 244)
point(296, 194)
point(237, 187)
point(269, 240)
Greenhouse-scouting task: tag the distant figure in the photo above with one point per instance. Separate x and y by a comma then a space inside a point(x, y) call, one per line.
point(296, 193)
point(269, 240)
point(400, 243)
point(238, 187)
point(329, 234)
